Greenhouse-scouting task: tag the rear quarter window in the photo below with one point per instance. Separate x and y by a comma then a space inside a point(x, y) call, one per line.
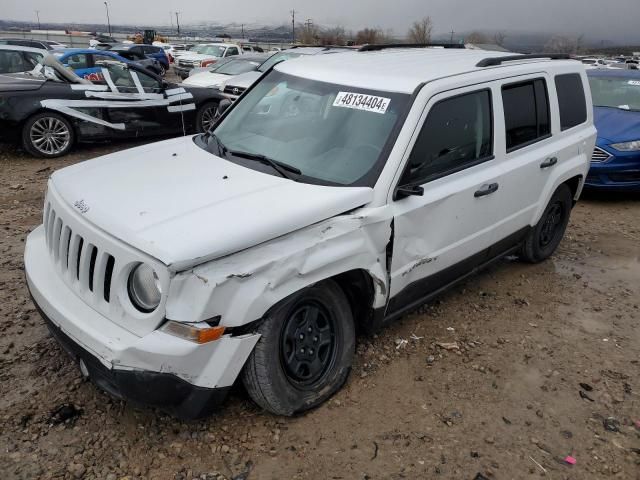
point(573, 106)
point(526, 113)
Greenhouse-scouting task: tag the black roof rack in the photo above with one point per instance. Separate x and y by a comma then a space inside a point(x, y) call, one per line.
point(495, 61)
point(383, 46)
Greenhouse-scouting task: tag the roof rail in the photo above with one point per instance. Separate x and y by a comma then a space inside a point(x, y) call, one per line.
point(495, 61)
point(383, 46)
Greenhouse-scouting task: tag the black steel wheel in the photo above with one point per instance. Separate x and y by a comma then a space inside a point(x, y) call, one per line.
point(305, 351)
point(307, 344)
point(544, 238)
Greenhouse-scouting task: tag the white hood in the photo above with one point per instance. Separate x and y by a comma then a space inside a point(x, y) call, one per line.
point(197, 57)
point(184, 206)
point(205, 79)
point(244, 80)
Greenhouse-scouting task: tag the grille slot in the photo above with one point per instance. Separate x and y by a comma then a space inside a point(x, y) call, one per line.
point(600, 155)
point(79, 256)
point(92, 265)
point(108, 273)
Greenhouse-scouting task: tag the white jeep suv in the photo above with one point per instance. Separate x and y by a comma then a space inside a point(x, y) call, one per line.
point(377, 180)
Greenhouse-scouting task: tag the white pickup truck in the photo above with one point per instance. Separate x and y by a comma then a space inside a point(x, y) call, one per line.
point(375, 181)
point(204, 55)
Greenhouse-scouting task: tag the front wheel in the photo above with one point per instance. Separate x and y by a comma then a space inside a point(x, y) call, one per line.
point(47, 135)
point(305, 351)
point(206, 117)
point(545, 237)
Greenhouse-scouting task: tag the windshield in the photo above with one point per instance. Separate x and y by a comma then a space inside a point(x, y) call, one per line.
point(236, 67)
point(333, 134)
point(616, 92)
point(277, 58)
point(212, 50)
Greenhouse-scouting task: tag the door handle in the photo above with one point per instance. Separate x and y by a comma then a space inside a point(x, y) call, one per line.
point(549, 162)
point(486, 189)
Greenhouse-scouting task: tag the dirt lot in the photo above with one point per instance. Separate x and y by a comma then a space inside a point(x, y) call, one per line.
point(505, 402)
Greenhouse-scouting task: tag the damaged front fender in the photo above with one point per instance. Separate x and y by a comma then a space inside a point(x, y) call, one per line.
point(242, 287)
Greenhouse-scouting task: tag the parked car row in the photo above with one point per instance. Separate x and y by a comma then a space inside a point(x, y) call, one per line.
point(51, 108)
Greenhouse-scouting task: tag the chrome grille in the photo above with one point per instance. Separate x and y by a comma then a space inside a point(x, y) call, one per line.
point(600, 155)
point(185, 63)
point(81, 263)
point(231, 90)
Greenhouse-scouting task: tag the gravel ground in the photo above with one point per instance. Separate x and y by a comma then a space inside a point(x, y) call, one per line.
point(503, 377)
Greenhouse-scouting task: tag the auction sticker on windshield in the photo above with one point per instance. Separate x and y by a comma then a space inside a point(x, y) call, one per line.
point(359, 101)
point(635, 83)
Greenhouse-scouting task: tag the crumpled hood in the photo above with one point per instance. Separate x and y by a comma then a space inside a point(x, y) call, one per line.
point(617, 125)
point(184, 206)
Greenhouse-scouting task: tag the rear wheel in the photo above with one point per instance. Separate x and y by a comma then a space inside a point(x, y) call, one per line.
point(545, 237)
point(207, 116)
point(47, 135)
point(305, 351)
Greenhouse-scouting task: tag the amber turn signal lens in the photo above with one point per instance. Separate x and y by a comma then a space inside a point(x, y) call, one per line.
point(193, 333)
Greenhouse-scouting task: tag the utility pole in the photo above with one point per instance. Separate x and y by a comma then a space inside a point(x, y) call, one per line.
point(38, 15)
point(106, 5)
point(243, 31)
point(452, 32)
point(178, 22)
point(293, 27)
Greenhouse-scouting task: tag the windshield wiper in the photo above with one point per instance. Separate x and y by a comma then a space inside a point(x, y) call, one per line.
point(280, 167)
point(222, 150)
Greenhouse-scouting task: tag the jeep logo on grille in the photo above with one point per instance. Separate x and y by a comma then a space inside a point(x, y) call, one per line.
point(81, 205)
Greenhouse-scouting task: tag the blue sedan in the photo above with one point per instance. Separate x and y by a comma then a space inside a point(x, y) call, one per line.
point(84, 62)
point(615, 164)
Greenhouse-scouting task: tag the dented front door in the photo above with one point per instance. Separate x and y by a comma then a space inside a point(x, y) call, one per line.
point(447, 230)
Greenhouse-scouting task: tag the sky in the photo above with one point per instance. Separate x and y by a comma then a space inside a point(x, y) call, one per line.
point(594, 18)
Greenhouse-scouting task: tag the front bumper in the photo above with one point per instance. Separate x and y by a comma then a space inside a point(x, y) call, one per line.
point(157, 369)
point(620, 172)
point(182, 72)
point(155, 389)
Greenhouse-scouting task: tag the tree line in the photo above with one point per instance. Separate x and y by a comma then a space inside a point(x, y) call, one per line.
point(421, 32)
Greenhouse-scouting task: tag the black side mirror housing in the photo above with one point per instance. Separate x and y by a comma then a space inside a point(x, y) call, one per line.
point(224, 104)
point(405, 191)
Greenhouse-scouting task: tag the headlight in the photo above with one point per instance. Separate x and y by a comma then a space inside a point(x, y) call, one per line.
point(144, 288)
point(627, 146)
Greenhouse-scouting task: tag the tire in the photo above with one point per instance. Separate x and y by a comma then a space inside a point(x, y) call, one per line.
point(162, 70)
point(206, 116)
point(285, 374)
point(545, 237)
point(59, 142)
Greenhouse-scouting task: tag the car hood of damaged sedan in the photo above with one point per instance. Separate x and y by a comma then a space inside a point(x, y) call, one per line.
point(185, 206)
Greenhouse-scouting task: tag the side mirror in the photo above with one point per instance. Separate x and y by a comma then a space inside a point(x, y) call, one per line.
point(408, 191)
point(224, 104)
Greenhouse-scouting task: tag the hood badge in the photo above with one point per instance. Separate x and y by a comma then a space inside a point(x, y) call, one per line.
point(81, 205)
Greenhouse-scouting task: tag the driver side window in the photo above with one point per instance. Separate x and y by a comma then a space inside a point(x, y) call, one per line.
point(457, 134)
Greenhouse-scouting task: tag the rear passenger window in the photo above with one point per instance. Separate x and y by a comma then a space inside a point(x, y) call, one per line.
point(573, 107)
point(457, 134)
point(526, 113)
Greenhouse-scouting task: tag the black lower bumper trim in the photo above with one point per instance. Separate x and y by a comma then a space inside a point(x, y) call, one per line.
point(161, 390)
